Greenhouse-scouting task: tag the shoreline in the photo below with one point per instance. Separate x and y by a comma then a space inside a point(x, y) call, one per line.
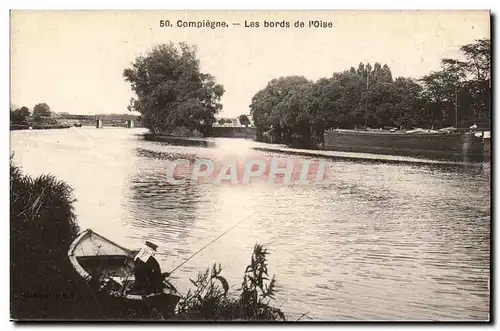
point(362, 157)
point(323, 153)
point(181, 141)
point(37, 127)
point(44, 127)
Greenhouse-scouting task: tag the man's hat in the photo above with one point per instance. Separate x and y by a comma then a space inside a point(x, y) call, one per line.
point(151, 245)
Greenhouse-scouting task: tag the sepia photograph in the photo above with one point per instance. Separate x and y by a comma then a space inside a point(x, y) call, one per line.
point(250, 166)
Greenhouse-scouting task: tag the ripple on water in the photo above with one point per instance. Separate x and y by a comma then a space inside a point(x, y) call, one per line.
point(383, 241)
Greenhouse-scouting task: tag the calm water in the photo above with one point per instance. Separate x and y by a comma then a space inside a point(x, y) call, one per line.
point(384, 241)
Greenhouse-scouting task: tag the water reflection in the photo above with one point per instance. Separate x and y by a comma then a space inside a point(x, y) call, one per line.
point(166, 208)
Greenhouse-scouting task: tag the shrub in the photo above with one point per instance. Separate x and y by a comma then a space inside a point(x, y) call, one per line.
point(210, 300)
point(258, 290)
point(42, 224)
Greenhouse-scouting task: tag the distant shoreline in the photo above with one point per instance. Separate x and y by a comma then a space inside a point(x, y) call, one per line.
point(15, 127)
point(183, 141)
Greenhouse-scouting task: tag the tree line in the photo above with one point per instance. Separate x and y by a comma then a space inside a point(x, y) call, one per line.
point(20, 115)
point(172, 93)
point(295, 108)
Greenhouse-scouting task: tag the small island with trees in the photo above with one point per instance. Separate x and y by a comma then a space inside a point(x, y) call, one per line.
point(40, 118)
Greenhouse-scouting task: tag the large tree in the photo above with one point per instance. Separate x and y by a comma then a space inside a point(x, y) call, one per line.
point(407, 111)
point(244, 120)
point(171, 91)
point(19, 115)
point(478, 68)
point(459, 93)
point(266, 111)
point(41, 109)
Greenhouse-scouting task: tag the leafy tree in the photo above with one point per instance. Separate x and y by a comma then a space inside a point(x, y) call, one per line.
point(295, 110)
point(383, 99)
point(244, 120)
point(265, 109)
point(170, 89)
point(464, 86)
point(210, 298)
point(478, 59)
point(41, 109)
point(291, 108)
point(19, 115)
point(478, 67)
point(408, 108)
point(434, 95)
point(353, 98)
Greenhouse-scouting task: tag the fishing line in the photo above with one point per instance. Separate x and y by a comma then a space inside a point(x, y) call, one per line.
point(193, 255)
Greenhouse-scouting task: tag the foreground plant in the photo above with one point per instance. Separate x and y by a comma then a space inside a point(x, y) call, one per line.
point(258, 290)
point(210, 300)
point(42, 224)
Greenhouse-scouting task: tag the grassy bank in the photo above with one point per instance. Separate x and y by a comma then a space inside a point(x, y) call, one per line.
point(44, 285)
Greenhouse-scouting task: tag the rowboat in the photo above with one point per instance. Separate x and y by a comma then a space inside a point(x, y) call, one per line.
point(109, 268)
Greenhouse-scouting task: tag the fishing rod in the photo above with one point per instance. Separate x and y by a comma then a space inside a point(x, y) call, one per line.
point(214, 240)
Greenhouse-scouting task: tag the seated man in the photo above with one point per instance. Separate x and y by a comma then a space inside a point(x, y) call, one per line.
point(148, 276)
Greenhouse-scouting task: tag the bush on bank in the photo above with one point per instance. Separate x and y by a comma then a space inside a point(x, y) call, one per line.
point(210, 300)
point(45, 286)
point(43, 224)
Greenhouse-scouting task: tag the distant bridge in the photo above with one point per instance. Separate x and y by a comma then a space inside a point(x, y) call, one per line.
point(100, 120)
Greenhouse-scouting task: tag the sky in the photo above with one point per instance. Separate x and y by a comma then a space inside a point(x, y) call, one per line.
point(74, 60)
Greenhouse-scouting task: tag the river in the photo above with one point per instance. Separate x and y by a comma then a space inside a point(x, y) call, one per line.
point(383, 241)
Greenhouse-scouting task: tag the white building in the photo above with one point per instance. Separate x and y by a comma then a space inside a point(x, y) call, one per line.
point(230, 122)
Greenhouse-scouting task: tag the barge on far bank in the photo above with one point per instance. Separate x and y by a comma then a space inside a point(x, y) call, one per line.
point(455, 145)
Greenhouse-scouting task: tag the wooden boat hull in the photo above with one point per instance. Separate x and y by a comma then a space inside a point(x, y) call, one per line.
point(109, 269)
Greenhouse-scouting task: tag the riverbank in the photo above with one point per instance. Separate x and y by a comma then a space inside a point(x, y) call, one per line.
point(230, 132)
point(45, 286)
point(323, 153)
point(179, 141)
point(37, 127)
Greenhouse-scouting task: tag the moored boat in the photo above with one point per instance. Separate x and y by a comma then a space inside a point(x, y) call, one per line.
point(109, 269)
point(419, 143)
